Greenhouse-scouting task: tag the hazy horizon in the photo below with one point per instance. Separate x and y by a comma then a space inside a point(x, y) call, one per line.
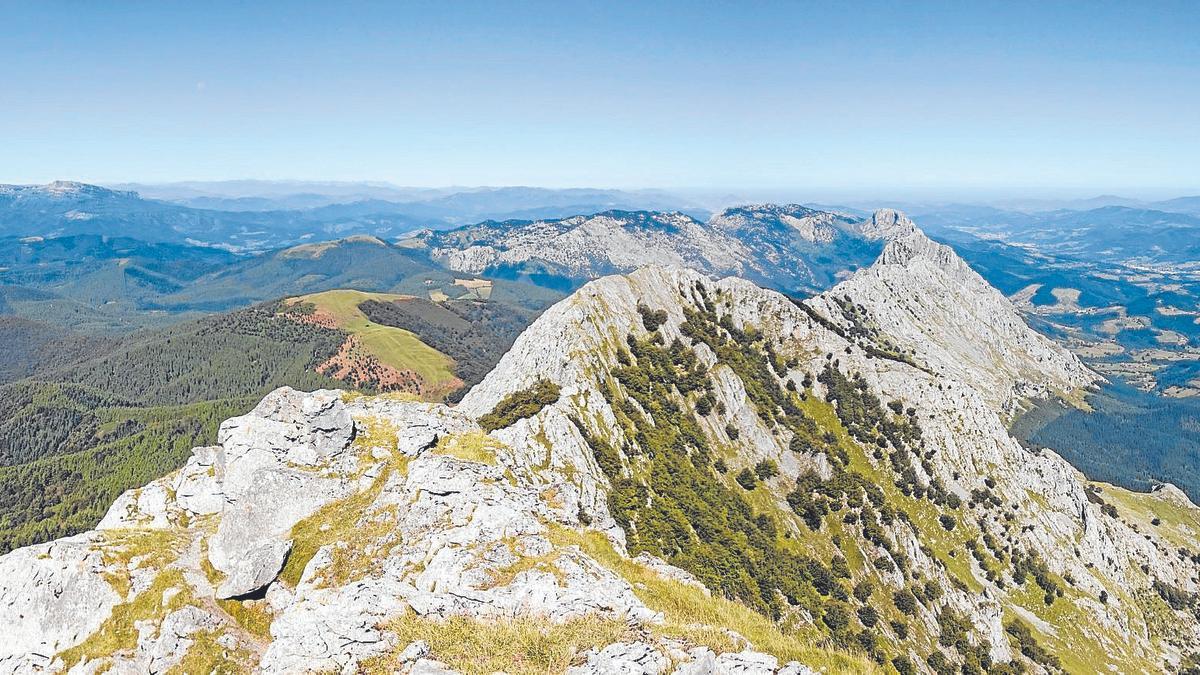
point(246, 188)
point(920, 99)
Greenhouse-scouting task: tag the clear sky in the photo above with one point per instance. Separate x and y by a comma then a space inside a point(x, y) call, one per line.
point(842, 96)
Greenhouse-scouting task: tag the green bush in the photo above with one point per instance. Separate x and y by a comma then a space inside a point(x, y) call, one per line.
point(1029, 646)
point(905, 601)
point(520, 405)
point(766, 469)
point(904, 665)
point(652, 318)
point(747, 479)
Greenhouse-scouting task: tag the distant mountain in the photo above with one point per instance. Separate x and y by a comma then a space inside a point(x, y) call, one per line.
point(789, 247)
point(1108, 234)
point(100, 269)
point(534, 203)
point(362, 263)
point(65, 209)
point(276, 195)
point(252, 223)
point(1180, 204)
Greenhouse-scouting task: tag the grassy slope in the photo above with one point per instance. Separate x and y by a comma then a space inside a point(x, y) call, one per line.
point(394, 347)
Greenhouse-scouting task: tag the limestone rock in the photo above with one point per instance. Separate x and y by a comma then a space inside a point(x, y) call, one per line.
point(623, 658)
point(52, 596)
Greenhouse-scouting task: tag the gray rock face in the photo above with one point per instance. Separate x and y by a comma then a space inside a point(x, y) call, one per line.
point(669, 571)
point(52, 596)
point(270, 482)
point(925, 301)
point(778, 245)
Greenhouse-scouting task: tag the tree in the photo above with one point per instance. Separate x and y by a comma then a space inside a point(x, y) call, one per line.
point(746, 479)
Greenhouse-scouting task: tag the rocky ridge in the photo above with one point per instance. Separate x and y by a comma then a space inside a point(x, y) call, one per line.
point(334, 532)
point(789, 246)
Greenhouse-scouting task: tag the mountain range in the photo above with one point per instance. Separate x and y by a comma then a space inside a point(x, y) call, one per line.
point(664, 472)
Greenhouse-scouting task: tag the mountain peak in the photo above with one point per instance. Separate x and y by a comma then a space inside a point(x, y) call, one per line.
point(887, 224)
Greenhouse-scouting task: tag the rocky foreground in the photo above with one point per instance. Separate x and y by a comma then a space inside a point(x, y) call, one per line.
point(665, 474)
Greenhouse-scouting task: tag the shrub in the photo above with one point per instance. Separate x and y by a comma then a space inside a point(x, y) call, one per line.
point(863, 589)
point(947, 521)
point(652, 318)
point(766, 469)
point(732, 432)
point(836, 617)
point(905, 601)
point(904, 665)
point(1029, 646)
point(746, 479)
point(520, 405)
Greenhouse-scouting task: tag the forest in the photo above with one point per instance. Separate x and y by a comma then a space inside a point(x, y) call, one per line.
point(75, 436)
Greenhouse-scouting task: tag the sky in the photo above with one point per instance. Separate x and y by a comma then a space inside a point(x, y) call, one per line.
point(826, 99)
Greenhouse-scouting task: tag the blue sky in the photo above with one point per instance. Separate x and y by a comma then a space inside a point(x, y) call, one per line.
point(822, 98)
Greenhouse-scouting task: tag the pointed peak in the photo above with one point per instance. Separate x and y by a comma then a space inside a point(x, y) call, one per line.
point(888, 224)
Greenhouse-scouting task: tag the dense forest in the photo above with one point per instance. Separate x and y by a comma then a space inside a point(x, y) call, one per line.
point(1132, 438)
point(74, 437)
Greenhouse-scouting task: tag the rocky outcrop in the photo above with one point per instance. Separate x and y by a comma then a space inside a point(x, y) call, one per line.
point(927, 334)
point(52, 596)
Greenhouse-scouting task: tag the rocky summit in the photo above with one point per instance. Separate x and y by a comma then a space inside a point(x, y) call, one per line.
point(788, 247)
point(665, 473)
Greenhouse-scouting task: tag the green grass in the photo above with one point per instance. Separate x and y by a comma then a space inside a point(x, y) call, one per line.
point(1179, 525)
point(119, 632)
point(206, 655)
point(392, 346)
point(252, 615)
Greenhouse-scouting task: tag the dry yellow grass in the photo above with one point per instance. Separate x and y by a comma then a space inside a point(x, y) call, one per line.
point(524, 646)
point(472, 446)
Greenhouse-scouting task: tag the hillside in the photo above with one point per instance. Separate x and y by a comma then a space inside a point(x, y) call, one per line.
point(380, 356)
point(85, 418)
point(658, 460)
point(475, 333)
point(75, 433)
